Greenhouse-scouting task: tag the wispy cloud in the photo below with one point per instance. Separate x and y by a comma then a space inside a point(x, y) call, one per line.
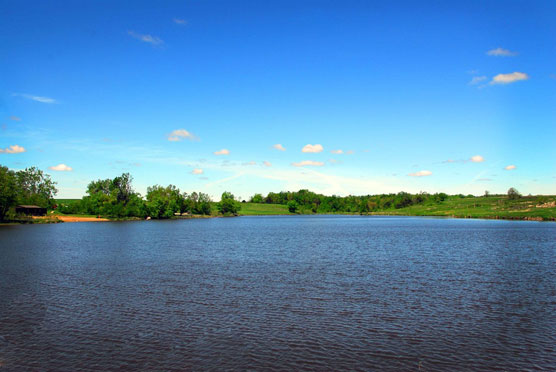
point(222, 152)
point(312, 148)
point(308, 163)
point(337, 152)
point(509, 78)
point(36, 98)
point(501, 52)
point(267, 163)
point(477, 79)
point(350, 152)
point(14, 149)
point(510, 167)
point(484, 179)
point(61, 168)
point(180, 134)
point(181, 22)
point(146, 38)
point(249, 163)
point(279, 147)
point(477, 159)
point(197, 171)
point(422, 173)
point(15, 118)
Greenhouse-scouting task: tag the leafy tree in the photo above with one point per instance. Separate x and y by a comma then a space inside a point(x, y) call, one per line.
point(114, 198)
point(513, 194)
point(257, 198)
point(228, 205)
point(163, 202)
point(8, 191)
point(35, 187)
point(293, 206)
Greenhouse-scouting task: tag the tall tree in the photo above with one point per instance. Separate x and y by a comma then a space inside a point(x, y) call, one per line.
point(8, 191)
point(35, 187)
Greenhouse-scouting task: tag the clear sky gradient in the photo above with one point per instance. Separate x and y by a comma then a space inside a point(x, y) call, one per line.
point(452, 96)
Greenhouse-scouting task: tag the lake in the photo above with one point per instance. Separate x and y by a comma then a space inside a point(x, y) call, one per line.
point(279, 293)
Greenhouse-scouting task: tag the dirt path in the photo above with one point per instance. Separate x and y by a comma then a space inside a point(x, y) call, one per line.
point(75, 219)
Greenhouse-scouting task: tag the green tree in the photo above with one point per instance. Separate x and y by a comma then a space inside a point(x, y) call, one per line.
point(513, 194)
point(257, 198)
point(228, 205)
point(164, 202)
point(35, 187)
point(8, 191)
point(293, 206)
point(114, 198)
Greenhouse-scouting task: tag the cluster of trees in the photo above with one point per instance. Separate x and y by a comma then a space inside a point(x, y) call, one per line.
point(318, 203)
point(116, 198)
point(28, 187)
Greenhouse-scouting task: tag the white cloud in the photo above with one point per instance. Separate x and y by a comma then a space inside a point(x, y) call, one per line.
point(180, 21)
point(61, 168)
point(350, 152)
point(310, 163)
point(146, 38)
point(333, 161)
point(510, 167)
point(337, 152)
point(14, 149)
point(477, 159)
point(180, 134)
point(222, 152)
point(312, 148)
point(509, 78)
point(250, 163)
point(197, 171)
point(477, 79)
point(15, 118)
point(422, 173)
point(267, 163)
point(36, 98)
point(279, 147)
point(501, 52)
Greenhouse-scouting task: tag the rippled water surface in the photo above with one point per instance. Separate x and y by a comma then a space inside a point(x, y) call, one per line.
point(260, 293)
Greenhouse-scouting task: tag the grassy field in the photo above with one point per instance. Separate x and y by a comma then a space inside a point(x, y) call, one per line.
point(254, 209)
point(534, 208)
point(499, 206)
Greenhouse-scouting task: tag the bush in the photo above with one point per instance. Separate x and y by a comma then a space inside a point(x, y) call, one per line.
point(513, 194)
point(293, 206)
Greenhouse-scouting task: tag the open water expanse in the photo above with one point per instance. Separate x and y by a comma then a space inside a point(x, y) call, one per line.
point(279, 293)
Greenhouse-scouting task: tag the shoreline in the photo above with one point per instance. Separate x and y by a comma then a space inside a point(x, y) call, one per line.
point(74, 219)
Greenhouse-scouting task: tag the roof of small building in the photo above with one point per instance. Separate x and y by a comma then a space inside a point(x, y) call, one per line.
point(30, 206)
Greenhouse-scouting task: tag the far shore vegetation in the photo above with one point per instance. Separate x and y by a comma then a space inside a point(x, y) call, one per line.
point(115, 199)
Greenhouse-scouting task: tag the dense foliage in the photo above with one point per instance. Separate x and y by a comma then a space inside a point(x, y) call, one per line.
point(228, 204)
point(29, 186)
point(305, 201)
point(116, 198)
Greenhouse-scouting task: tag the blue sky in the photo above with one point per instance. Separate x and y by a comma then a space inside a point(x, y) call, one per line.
point(430, 96)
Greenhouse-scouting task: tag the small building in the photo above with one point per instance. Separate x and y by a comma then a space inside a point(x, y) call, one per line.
point(30, 210)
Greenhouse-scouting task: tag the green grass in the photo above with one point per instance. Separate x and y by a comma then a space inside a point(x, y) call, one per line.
point(254, 209)
point(483, 207)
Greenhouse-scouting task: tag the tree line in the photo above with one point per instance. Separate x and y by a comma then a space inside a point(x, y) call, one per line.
point(305, 200)
point(111, 197)
point(116, 198)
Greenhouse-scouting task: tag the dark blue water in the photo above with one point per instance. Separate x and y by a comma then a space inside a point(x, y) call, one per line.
point(282, 293)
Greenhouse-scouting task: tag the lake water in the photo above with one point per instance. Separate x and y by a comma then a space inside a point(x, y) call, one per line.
point(285, 292)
